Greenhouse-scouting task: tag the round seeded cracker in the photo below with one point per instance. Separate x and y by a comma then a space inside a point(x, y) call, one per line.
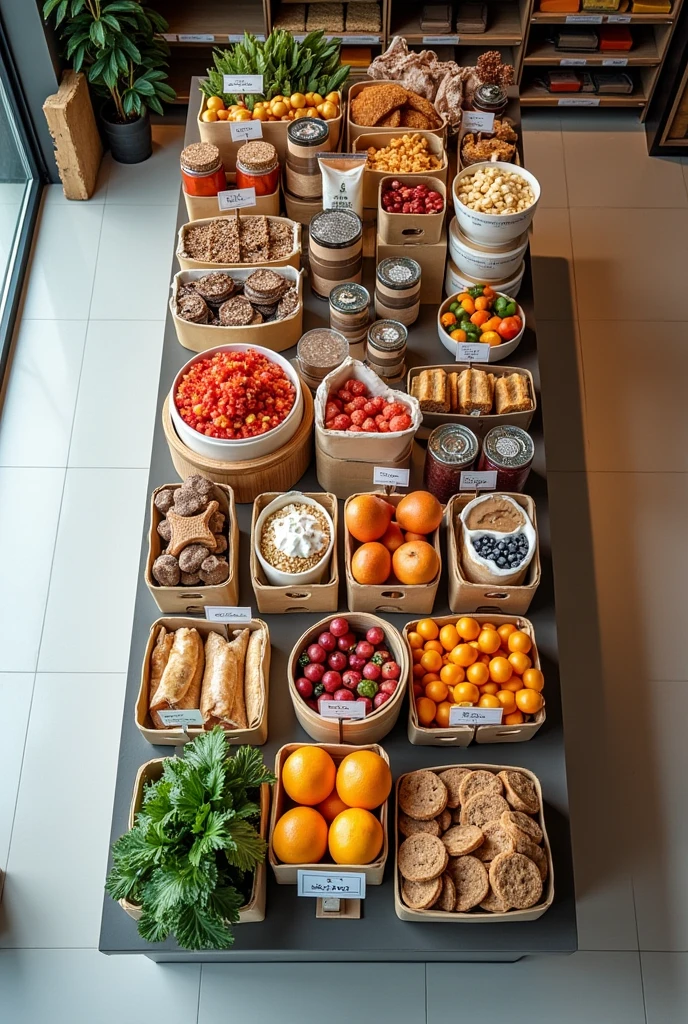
point(422, 795)
point(462, 839)
point(516, 880)
point(421, 895)
point(452, 779)
point(483, 807)
point(520, 792)
point(517, 821)
point(407, 826)
point(497, 840)
point(447, 899)
point(422, 857)
point(470, 881)
point(477, 782)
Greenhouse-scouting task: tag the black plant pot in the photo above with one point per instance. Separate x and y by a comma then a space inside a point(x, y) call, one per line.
point(130, 143)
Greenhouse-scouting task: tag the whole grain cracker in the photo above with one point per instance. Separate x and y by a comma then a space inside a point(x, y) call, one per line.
point(422, 795)
point(447, 898)
point(422, 857)
point(497, 840)
point(483, 807)
point(409, 826)
point(452, 779)
point(421, 895)
point(520, 792)
point(470, 881)
point(493, 904)
point(444, 820)
point(462, 839)
point(517, 821)
point(478, 782)
point(516, 880)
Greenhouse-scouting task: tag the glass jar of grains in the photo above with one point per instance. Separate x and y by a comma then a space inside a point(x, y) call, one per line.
point(510, 451)
point(386, 349)
point(203, 173)
point(452, 448)
point(318, 353)
point(306, 137)
point(335, 250)
point(350, 315)
point(397, 289)
point(258, 167)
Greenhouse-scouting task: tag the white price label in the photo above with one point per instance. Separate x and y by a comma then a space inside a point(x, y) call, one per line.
point(472, 352)
point(475, 716)
point(477, 121)
point(615, 62)
point(572, 62)
point(349, 885)
point(357, 40)
point(240, 84)
point(478, 480)
point(299, 36)
point(222, 613)
point(398, 477)
point(618, 19)
point(579, 101)
point(234, 198)
point(235, 37)
point(243, 130)
point(583, 19)
point(441, 41)
point(170, 37)
point(202, 37)
point(341, 708)
point(189, 716)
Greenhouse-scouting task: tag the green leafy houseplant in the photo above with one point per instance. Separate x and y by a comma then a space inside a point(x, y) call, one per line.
point(118, 46)
point(189, 860)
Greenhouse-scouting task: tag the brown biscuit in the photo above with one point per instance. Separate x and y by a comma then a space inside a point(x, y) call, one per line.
point(423, 106)
point(493, 903)
point(392, 120)
point(375, 102)
point(422, 795)
point(414, 119)
point(447, 898)
point(444, 820)
point(478, 782)
point(516, 880)
point(538, 856)
point(421, 895)
point(462, 839)
point(452, 779)
point(483, 807)
point(497, 840)
point(517, 821)
point(407, 826)
point(520, 792)
point(422, 857)
point(470, 881)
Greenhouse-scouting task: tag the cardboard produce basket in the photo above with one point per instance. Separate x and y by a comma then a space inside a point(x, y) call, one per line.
point(192, 600)
point(308, 597)
point(463, 735)
point(432, 257)
point(175, 736)
point(466, 597)
point(344, 476)
point(418, 599)
point(378, 139)
point(420, 228)
point(356, 731)
point(276, 335)
point(252, 911)
point(286, 874)
point(476, 916)
point(186, 263)
point(355, 130)
point(204, 207)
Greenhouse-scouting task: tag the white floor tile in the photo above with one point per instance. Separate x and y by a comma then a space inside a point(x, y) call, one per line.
point(134, 263)
point(596, 988)
point(91, 600)
point(60, 279)
point(53, 892)
point(81, 986)
point(105, 435)
point(39, 406)
point(156, 181)
point(55, 193)
point(15, 699)
point(265, 993)
point(665, 983)
point(29, 512)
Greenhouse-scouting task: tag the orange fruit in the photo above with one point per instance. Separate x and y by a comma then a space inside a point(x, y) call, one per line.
point(429, 677)
point(431, 661)
point(478, 673)
point(490, 688)
point(519, 662)
point(433, 645)
point(364, 779)
point(428, 629)
point(333, 805)
point(408, 536)
point(371, 563)
point(437, 691)
point(367, 516)
point(529, 701)
point(415, 641)
point(308, 775)
point(222, 114)
point(300, 836)
point(519, 641)
point(452, 674)
point(515, 718)
point(485, 658)
point(514, 684)
point(442, 714)
point(356, 837)
point(392, 538)
point(417, 655)
point(449, 637)
point(500, 670)
point(467, 628)
point(489, 700)
point(463, 655)
point(426, 710)
point(466, 691)
point(488, 625)
point(507, 700)
point(415, 562)
point(505, 631)
point(418, 671)
point(214, 103)
point(419, 512)
point(533, 679)
point(488, 641)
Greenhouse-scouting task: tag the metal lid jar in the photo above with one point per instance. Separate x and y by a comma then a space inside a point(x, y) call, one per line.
point(319, 352)
point(397, 289)
point(203, 173)
point(350, 313)
point(306, 137)
point(386, 349)
point(335, 250)
point(510, 451)
point(490, 98)
point(452, 448)
point(257, 167)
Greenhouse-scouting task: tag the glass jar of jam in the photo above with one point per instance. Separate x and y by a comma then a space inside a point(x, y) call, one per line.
point(451, 449)
point(258, 167)
point(510, 451)
point(490, 98)
point(203, 173)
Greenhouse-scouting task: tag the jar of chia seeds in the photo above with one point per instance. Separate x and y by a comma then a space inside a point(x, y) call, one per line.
point(203, 173)
point(306, 137)
point(452, 448)
point(318, 353)
point(510, 451)
point(386, 349)
point(397, 289)
point(350, 314)
point(335, 250)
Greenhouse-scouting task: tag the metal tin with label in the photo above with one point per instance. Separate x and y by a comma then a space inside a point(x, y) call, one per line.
point(452, 448)
point(397, 289)
point(350, 311)
point(510, 451)
point(386, 349)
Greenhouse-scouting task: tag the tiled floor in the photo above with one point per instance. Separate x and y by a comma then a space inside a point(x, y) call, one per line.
point(610, 250)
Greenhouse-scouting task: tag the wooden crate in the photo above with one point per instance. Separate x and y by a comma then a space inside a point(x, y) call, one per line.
point(72, 125)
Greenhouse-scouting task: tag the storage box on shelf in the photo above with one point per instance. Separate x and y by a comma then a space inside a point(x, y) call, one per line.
point(354, 131)
point(399, 228)
point(378, 139)
point(187, 263)
point(207, 207)
point(431, 256)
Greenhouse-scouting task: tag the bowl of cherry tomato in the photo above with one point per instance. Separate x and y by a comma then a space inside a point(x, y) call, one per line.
point(481, 316)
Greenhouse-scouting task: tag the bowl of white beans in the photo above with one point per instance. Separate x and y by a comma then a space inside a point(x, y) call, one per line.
point(494, 202)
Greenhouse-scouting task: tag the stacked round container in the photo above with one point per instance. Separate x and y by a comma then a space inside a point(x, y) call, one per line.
point(305, 139)
point(397, 290)
point(350, 315)
point(335, 250)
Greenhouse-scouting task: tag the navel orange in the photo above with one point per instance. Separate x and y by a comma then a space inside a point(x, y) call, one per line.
point(368, 516)
point(333, 805)
point(415, 562)
point(308, 775)
point(419, 512)
point(364, 779)
point(371, 564)
point(356, 837)
point(300, 836)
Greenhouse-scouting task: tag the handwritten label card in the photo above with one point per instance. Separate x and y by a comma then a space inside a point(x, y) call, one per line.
point(235, 198)
point(241, 131)
point(472, 352)
point(475, 716)
point(189, 716)
point(477, 121)
point(349, 885)
point(241, 84)
point(386, 477)
point(478, 480)
point(219, 613)
point(341, 708)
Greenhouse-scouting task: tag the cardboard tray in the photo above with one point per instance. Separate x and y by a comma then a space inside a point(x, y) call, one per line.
point(355, 130)
point(204, 207)
point(466, 597)
point(311, 597)
point(343, 477)
point(398, 228)
point(432, 257)
point(476, 916)
point(192, 600)
point(276, 335)
point(463, 735)
point(286, 874)
point(175, 736)
point(252, 911)
point(186, 263)
point(418, 599)
point(378, 139)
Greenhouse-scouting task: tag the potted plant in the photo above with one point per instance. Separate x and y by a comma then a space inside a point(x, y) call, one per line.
point(118, 45)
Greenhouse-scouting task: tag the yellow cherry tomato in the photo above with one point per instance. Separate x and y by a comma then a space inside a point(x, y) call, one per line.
point(222, 115)
point(298, 100)
point(466, 692)
point(278, 109)
point(449, 637)
point(468, 628)
point(209, 115)
point(490, 338)
point(315, 98)
point(333, 97)
point(489, 700)
point(463, 655)
point(215, 103)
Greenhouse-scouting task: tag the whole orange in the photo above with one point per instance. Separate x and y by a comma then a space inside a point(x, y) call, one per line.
point(437, 691)
point(500, 670)
point(431, 661)
point(533, 679)
point(308, 775)
point(300, 836)
point(356, 837)
point(425, 709)
point(515, 718)
point(507, 700)
point(392, 538)
point(408, 536)
point(463, 655)
point(519, 641)
point(452, 674)
point(367, 516)
point(415, 562)
point(449, 638)
point(442, 714)
point(489, 641)
point(371, 564)
point(364, 779)
point(428, 629)
point(529, 701)
point(468, 628)
point(333, 805)
point(519, 662)
point(478, 673)
point(419, 512)
point(489, 700)
point(466, 692)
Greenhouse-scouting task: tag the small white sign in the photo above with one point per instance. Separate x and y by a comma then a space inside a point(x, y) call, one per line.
point(241, 131)
point(441, 41)
point(170, 37)
point(225, 613)
point(240, 84)
point(357, 40)
point(235, 37)
point(618, 19)
point(478, 480)
point(583, 19)
point(195, 37)
point(349, 885)
point(472, 352)
point(579, 101)
point(234, 198)
point(475, 716)
point(615, 62)
point(384, 476)
point(189, 716)
point(341, 708)
point(299, 36)
point(572, 62)
point(477, 121)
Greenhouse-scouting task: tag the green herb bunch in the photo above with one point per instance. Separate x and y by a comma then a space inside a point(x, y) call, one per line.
point(190, 857)
point(286, 66)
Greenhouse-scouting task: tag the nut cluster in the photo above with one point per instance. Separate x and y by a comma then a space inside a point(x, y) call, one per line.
point(492, 190)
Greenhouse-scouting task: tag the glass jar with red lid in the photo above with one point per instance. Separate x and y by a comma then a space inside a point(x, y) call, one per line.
point(510, 451)
point(258, 167)
point(452, 448)
point(203, 173)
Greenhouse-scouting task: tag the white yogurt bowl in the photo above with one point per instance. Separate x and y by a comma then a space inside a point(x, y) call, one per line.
point(496, 352)
point(455, 281)
point(491, 229)
point(227, 450)
point(276, 577)
point(485, 265)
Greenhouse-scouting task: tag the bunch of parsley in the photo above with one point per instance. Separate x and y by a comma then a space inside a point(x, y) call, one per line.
point(190, 857)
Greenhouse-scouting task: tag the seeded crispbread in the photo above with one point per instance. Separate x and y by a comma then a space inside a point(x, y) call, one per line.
point(422, 857)
point(496, 840)
point(407, 826)
point(452, 779)
point(493, 903)
point(421, 895)
point(462, 839)
point(517, 821)
point(539, 858)
point(422, 795)
point(483, 807)
point(447, 898)
point(520, 792)
point(444, 820)
point(478, 782)
point(516, 880)
point(470, 881)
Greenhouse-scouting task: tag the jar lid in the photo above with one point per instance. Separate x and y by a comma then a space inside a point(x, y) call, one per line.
point(200, 157)
point(257, 157)
point(387, 335)
point(399, 272)
point(489, 93)
point(308, 131)
point(349, 298)
point(336, 229)
point(453, 444)
point(322, 348)
point(509, 447)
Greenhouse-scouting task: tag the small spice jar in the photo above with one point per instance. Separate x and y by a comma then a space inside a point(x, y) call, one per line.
point(203, 173)
point(258, 167)
point(490, 98)
point(386, 349)
point(350, 314)
point(306, 137)
point(452, 448)
point(510, 451)
point(335, 250)
point(397, 289)
point(318, 353)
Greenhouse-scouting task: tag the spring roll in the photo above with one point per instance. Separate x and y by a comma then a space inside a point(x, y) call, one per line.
point(222, 691)
point(253, 678)
point(180, 685)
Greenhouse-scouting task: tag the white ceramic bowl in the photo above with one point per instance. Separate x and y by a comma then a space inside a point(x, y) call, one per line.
point(488, 228)
point(243, 448)
point(485, 265)
point(275, 577)
point(497, 352)
point(455, 281)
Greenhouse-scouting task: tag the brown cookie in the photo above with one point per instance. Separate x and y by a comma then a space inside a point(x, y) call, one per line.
point(452, 779)
point(470, 881)
point(517, 821)
point(422, 795)
point(444, 820)
point(497, 840)
point(478, 782)
point(462, 839)
point(516, 880)
point(520, 792)
point(421, 895)
point(539, 858)
point(493, 903)
point(447, 898)
point(407, 826)
point(422, 857)
point(483, 807)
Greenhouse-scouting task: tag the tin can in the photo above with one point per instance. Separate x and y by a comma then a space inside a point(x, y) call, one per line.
point(452, 448)
point(510, 451)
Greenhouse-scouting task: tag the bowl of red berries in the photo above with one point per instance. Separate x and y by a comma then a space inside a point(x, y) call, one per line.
point(347, 677)
point(411, 208)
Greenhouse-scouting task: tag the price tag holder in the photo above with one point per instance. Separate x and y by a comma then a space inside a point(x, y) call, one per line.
point(478, 480)
point(385, 477)
point(170, 37)
point(357, 40)
point(235, 198)
point(579, 101)
point(349, 885)
point(441, 41)
point(198, 37)
point(477, 121)
point(241, 84)
point(190, 716)
point(341, 708)
point(225, 613)
point(615, 62)
point(572, 62)
point(475, 716)
point(618, 19)
point(241, 131)
point(583, 19)
point(472, 352)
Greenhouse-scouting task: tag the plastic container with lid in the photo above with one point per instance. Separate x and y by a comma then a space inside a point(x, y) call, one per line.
point(350, 312)
point(318, 353)
point(203, 173)
point(452, 448)
point(335, 250)
point(397, 289)
point(510, 451)
point(306, 137)
point(386, 349)
point(257, 167)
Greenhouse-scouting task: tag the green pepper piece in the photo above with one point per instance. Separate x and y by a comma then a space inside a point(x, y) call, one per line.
point(500, 305)
point(475, 291)
point(511, 308)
